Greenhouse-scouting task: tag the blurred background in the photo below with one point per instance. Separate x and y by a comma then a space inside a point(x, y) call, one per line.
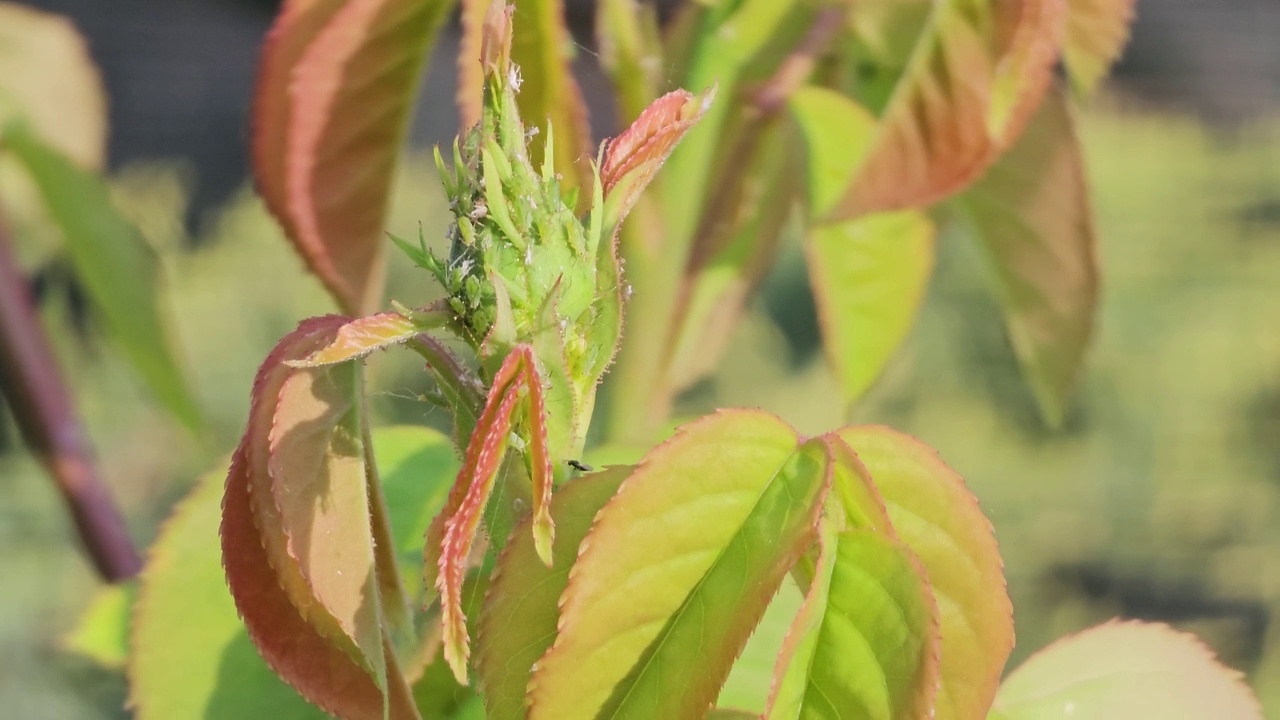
point(1159, 500)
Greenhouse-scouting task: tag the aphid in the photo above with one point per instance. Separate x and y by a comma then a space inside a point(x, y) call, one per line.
point(580, 466)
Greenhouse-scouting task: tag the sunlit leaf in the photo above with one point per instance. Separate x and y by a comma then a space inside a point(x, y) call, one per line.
point(119, 270)
point(192, 657)
point(362, 336)
point(865, 644)
point(935, 516)
point(748, 684)
point(1097, 31)
point(305, 539)
point(48, 79)
point(975, 75)
point(102, 631)
point(518, 621)
point(869, 278)
point(678, 568)
point(335, 87)
point(835, 133)
point(1129, 670)
point(1031, 215)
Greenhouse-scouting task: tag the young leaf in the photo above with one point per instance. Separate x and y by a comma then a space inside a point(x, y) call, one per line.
point(1126, 670)
point(865, 643)
point(1097, 31)
point(678, 568)
point(869, 278)
point(1031, 215)
point(335, 87)
point(362, 336)
point(191, 655)
point(958, 103)
point(518, 620)
point(936, 517)
point(48, 79)
point(118, 269)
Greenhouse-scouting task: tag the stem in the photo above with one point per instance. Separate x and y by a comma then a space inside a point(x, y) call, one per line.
point(45, 415)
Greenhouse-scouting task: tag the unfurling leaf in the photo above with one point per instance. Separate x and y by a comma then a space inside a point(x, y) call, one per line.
point(678, 568)
point(335, 86)
point(1031, 215)
point(1097, 31)
point(361, 336)
point(305, 539)
point(936, 517)
point(1129, 671)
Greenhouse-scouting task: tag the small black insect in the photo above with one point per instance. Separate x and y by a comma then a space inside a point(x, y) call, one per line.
point(580, 466)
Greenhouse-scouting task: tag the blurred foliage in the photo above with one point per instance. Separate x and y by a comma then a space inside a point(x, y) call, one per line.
point(1160, 499)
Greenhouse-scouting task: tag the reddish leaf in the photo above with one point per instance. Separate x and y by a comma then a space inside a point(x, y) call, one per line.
point(1097, 31)
point(1031, 215)
point(331, 107)
point(958, 103)
point(362, 336)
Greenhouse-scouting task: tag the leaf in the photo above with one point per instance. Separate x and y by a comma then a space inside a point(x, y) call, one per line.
point(518, 620)
point(976, 74)
point(835, 133)
point(335, 87)
point(1097, 31)
point(102, 631)
point(678, 568)
point(866, 642)
point(939, 520)
point(869, 278)
point(542, 48)
point(1030, 213)
point(191, 655)
point(305, 538)
point(118, 269)
point(362, 336)
point(48, 79)
point(1127, 670)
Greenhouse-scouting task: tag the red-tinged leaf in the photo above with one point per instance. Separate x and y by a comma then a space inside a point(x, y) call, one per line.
point(974, 78)
point(866, 641)
point(321, 592)
point(1126, 670)
point(540, 470)
point(939, 520)
point(362, 336)
point(633, 158)
point(331, 108)
point(518, 621)
point(1031, 215)
point(678, 568)
point(853, 485)
point(1097, 31)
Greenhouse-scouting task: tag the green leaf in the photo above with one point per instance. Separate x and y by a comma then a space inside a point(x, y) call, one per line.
point(1126, 670)
point(935, 516)
point(48, 79)
point(835, 132)
point(748, 684)
point(865, 644)
point(1097, 31)
point(869, 278)
point(1030, 213)
point(678, 568)
point(191, 655)
point(977, 72)
point(335, 86)
point(362, 336)
point(518, 621)
point(102, 631)
point(118, 269)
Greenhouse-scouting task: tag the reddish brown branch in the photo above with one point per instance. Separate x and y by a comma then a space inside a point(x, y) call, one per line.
point(42, 407)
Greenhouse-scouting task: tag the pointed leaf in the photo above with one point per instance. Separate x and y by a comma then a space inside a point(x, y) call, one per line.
point(118, 269)
point(869, 278)
point(678, 568)
point(102, 631)
point(1097, 31)
point(335, 88)
point(1031, 215)
point(1126, 670)
point(191, 655)
point(865, 644)
point(939, 520)
point(48, 79)
point(362, 336)
point(976, 74)
point(518, 621)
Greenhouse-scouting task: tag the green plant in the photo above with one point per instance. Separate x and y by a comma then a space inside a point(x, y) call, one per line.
point(634, 590)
